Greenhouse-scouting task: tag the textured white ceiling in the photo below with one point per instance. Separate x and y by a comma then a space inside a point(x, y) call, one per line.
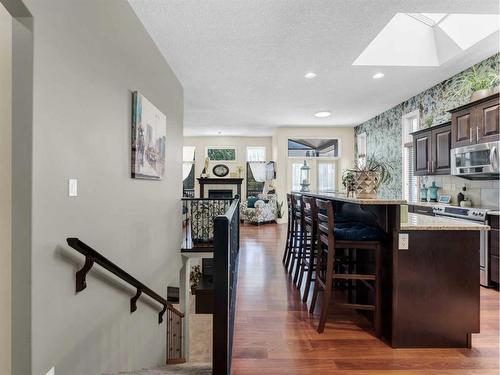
point(242, 63)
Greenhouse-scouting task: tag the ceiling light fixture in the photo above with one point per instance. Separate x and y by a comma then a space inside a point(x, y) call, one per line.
point(310, 75)
point(378, 75)
point(322, 114)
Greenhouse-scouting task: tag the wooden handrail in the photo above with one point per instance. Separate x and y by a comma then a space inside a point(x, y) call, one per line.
point(92, 256)
point(226, 249)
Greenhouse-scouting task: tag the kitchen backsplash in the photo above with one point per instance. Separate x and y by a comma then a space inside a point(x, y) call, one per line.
point(384, 135)
point(480, 193)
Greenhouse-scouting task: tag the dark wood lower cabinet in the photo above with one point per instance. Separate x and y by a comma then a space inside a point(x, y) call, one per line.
point(436, 290)
point(493, 248)
point(494, 260)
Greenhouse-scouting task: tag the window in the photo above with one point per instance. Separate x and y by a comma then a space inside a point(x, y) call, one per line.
point(256, 154)
point(313, 148)
point(361, 144)
point(326, 177)
point(221, 153)
point(254, 187)
point(296, 176)
point(188, 159)
point(410, 181)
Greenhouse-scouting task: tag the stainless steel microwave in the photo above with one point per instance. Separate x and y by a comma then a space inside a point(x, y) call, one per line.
point(476, 162)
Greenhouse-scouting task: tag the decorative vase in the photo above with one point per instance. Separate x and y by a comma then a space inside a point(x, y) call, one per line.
point(480, 94)
point(366, 184)
point(423, 193)
point(433, 192)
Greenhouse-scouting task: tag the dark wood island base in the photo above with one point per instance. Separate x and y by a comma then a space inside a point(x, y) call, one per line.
point(430, 281)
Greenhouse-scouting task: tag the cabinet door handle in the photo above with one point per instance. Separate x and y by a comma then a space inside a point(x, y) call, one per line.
point(493, 158)
point(477, 133)
point(433, 168)
point(470, 135)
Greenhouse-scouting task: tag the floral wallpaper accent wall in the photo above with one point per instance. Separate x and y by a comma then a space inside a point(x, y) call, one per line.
point(383, 132)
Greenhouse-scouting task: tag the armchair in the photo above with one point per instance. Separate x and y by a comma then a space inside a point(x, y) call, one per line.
point(264, 209)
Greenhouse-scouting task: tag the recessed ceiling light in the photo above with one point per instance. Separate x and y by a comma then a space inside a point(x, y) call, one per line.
point(310, 75)
point(322, 114)
point(219, 132)
point(378, 75)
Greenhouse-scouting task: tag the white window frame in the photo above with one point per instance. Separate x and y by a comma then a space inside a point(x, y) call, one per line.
point(339, 154)
point(292, 164)
point(225, 148)
point(190, 162)
point(361, 146)
point(409, 125)
point(318, 175)
point(255, 148)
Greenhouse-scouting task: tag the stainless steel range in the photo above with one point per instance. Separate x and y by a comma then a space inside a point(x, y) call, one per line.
point(475, 215)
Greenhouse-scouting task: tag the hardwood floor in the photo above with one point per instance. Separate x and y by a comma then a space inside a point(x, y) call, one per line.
point(274, 333)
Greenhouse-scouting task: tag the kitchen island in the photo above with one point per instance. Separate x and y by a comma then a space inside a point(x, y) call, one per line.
point(430, 266)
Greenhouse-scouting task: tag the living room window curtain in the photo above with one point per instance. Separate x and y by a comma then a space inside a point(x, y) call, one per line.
point(187, 160)
point(258, 170)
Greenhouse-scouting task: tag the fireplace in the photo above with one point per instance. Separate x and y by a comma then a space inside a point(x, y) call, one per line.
point(220, 193)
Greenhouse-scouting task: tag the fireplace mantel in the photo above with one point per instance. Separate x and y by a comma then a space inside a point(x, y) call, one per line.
point(219, 181)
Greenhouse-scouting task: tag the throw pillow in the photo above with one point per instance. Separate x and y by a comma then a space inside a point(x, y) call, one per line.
point(251, 202)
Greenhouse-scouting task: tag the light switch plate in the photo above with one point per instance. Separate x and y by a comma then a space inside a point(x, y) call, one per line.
point(73, 187)
point(403, 241)
point(52, 371)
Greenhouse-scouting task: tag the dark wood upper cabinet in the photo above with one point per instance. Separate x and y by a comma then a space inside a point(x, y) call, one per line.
point(464, 128)
point(489, 126)
point(441, 146)
point(422, 147)
point(432, 150)
point(475, 122)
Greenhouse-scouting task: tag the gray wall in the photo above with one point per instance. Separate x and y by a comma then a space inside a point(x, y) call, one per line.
point(5, 188)
point(89, 56)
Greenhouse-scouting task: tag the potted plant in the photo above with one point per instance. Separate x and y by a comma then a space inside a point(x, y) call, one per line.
point(194, 278)
point(475, 84)
point(279, 210)
point(429, 121)
point(348, 181)
point(368, 177)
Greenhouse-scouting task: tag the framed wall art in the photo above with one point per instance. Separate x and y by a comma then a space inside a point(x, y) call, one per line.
point(149, 134)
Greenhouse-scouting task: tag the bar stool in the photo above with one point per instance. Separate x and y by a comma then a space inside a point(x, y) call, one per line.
point(308, 260)
point(304, 240)
point(289, 232)
point(347, 236)
point(296, 234)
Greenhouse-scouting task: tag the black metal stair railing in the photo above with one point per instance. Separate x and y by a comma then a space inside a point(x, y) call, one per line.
point(174, 316)
point(198, 216)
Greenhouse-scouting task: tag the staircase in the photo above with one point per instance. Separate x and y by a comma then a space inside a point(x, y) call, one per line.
point(186, 368)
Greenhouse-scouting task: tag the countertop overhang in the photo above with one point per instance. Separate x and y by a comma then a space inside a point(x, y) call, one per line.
point(343, 198)
point(425, 222)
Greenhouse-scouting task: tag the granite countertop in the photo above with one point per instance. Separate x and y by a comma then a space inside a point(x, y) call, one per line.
point(425, 222)
point(343, 197)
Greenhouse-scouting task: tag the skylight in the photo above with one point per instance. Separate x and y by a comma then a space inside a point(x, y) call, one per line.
point(426, 39)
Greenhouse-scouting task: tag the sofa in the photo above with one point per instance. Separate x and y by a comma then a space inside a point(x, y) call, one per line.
point(260, 209)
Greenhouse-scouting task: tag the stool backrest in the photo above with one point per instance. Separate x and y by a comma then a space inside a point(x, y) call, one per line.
point(296, 203)
point(325, 220)
point(309, 212)
point(289, 203)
